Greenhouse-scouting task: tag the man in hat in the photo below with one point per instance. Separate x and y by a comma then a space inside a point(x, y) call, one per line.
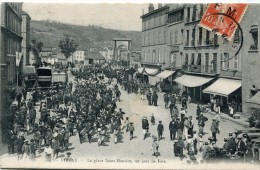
point(160, 130)
point(127, 124)
point(214, 129)
point(241, 146)
point(154, 98)
point(149, 97)
point(173, 128)
point(33, 148)
point(68, 158)
point(232, 143)
point(201, 123)
point(48, 152)
point(131, 129)
point(145, 126)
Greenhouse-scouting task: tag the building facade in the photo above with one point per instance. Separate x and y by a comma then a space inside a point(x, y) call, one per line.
point(250, 60)
point(10, 44)
point(26, 37)
point(197, 58)
point(78, 57)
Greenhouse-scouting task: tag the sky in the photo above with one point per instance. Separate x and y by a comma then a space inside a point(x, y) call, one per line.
point(116, 16)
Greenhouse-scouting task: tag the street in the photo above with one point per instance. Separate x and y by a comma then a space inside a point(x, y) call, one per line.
point(135, 109)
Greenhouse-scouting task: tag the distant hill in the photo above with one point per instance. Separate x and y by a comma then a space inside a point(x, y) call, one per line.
point(51, 32)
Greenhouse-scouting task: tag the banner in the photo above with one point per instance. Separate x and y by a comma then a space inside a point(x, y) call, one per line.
point(18, 57)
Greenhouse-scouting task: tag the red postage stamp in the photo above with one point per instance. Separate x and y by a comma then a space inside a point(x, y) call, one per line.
point(223, 18)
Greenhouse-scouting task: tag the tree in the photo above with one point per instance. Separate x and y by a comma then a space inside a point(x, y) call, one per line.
point(36, 48)
point(67, 46)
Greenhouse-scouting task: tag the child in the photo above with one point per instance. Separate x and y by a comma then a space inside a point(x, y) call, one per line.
point(155, 146)
point(175, 149)
point(153, 119)
point(127, 124)
point(131, 129)
point(201, 142)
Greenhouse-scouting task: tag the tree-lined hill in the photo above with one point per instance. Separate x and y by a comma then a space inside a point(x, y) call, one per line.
point(51, 32)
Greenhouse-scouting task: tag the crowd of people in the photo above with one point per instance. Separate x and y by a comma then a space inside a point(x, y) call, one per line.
point(88, 108)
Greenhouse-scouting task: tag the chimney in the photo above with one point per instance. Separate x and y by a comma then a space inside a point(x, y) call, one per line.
point(159, 5)
point(151, 8)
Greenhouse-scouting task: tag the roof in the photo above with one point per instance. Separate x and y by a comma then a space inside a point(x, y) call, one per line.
point(154, 11)
point(95, 56)
point(223, 87)
point(166, 73)
point(255, 99)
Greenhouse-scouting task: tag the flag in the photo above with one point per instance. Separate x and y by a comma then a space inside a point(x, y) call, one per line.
point(18, 58)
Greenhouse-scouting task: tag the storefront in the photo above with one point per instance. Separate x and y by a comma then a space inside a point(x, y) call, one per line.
point(193, 85)
point(150, 75)
point(226, 91)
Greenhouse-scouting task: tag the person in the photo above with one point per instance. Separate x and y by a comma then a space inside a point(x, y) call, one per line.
point(154, 98)
point(184, 103)
point(131, 129)
point(173, 128)
point(252, 120)
point(145, 126)
point(191, 125)
point(19, 145)
point(26, 150)
point(118, 94)
point(241, 146)
point(189, 144)
point(166, 100)
point(155, 146)
point(19, 99)
point(201, 142)
point(127, 124)
point(206, 152)
point(48, 152)
point(149, 96)
point(160, 130)
point(68, 158)
point(201, 123)
point(24, 91)
point(180, 146)
point(183, 113)
point(175, 148)
point(33, 148)
point(180, 127)
point(186, 127)
point(214, 129)
point(198, 111)
point(32, 116)
point(152, 119)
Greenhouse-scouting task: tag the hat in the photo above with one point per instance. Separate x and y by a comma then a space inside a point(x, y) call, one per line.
point(131, 123)
point(213, 142)
point(68, 153)
point(160, 121)
point(206, 143)
point(230, 134)
point(175, 141)
point(189, 136)
point(225, 139)
point(239, 136)
point(99, 129)
point(144, 117)
point(200, 134)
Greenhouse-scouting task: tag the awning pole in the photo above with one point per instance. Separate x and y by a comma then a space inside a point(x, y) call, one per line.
point(194, 89)
point(200, 93)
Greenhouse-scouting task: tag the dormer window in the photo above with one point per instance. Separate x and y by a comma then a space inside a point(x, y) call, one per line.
point(254, 33)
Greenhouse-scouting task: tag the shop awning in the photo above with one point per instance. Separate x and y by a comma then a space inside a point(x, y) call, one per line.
point(223, 87)
point(192, 81)
point(165, 74)
point(148, 70)
point(255, 99)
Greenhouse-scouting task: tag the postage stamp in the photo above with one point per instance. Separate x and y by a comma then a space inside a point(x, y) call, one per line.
point(223, 18)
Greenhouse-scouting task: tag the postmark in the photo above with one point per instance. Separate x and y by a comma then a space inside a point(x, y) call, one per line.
point(223, 19)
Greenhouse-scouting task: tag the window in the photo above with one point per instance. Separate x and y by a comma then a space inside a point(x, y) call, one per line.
point(181, 35)
point(225, 61)
point(235, 62)
point(192, 59)
point(254, 32)
point(201, 11)
point(187, 38)
point(170, 37)
point(188, 15)
point(194, 13)
point(236, 36)
point(186, 59)
point(159, 32)
point(193, 37)
point(200, 36)
point(214, 62)
point(175, 17)
point(206, 62)
point(176, 36)
point(153, 56)
point(165, 35)
point(199, 59)
point(215, 39)
point(207, 38)
point(159, 57)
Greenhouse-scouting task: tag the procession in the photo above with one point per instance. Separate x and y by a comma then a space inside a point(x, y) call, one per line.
point(86, 108)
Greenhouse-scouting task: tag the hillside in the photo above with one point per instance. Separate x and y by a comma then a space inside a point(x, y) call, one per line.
point(51, 32)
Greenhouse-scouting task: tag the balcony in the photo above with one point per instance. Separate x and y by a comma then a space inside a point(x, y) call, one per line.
point(207, 69)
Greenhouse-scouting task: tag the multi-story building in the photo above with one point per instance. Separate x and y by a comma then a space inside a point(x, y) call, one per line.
point(78, 57)
point(10, 44)
point(250, 60)
point(26, 37)
point(198, 56)
point(154, 41)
